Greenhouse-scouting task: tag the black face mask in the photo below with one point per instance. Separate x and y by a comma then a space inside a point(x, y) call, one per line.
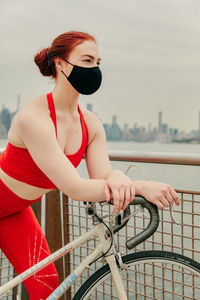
point(86, 81)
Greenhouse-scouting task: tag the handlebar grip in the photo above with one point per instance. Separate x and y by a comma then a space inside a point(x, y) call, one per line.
point(152, 226)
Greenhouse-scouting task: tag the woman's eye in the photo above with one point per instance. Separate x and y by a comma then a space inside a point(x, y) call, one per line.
point(87, 60)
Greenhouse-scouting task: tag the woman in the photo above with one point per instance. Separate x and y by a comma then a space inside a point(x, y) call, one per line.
point(47, 139)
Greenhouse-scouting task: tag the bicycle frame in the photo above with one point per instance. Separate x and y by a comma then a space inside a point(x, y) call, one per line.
point(99, 231)
point(103, 245)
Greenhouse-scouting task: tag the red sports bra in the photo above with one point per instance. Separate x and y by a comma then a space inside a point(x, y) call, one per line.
point(18, 163)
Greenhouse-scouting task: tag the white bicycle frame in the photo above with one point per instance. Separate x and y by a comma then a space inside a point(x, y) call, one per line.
point(103, 245)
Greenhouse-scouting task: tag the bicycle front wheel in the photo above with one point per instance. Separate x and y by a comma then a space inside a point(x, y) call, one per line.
point(155, 275)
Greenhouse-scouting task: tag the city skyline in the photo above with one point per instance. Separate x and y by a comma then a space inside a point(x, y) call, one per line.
point(162, 133)
point(151, 123)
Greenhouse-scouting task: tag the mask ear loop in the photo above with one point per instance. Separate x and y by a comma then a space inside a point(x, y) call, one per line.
point(68, 62)
point(64, 74)
point(62, 70)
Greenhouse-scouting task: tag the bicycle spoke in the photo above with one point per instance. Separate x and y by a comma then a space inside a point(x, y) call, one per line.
point(152, 279)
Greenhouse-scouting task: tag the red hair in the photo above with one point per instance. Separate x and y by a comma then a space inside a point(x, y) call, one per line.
point(60, 47)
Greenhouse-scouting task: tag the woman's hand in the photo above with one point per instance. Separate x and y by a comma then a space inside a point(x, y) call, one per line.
point(121, 188)
point(161, 194)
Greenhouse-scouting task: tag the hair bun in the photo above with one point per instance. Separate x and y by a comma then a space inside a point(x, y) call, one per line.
point(43, 63)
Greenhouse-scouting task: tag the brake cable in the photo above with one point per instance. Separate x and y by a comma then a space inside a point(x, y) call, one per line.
point(148, 179)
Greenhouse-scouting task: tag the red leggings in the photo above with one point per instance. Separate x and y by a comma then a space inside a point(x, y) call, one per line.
point(24, 244)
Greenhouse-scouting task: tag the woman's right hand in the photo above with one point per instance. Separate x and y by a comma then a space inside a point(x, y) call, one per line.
point(160, 194)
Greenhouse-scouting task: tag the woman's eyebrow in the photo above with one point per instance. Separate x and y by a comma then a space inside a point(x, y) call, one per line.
point(91, 56)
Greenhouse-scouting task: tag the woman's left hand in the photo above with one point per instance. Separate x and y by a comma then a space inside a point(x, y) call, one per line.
point(121, 188)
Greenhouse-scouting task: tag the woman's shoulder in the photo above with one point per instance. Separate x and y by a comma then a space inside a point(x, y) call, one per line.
point(36, 104)
point(34, 110)
point(91, 119)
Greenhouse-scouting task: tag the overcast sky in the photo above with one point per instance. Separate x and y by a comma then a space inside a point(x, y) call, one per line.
point(150, 52)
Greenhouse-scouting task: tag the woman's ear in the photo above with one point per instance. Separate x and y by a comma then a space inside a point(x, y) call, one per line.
point(59, 62)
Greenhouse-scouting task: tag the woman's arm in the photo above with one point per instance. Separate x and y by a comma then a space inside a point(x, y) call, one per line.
point(38, 134)
point(121, 187)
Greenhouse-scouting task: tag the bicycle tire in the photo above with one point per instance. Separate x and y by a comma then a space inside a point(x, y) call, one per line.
point(149, 259)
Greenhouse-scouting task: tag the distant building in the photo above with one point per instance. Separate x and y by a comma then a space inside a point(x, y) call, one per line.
point(126, 128)
point(3, 132)
point(115, 130)
point(164, 128)
point(173, 131)
point(149, 127)
point(89, 107)
point(114, 120)
point(107, 131)
point(126, 133)
point(159, 121)
point(5, 118)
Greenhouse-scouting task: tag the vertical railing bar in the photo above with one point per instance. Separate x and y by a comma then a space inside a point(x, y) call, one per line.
point(193, 289)
point(80, 232)
point(162, 230)
point(62, 234)
point(182, 244)
point(66, 236)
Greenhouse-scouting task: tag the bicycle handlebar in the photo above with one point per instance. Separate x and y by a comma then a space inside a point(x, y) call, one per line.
point(149, 230)
point(152, 226)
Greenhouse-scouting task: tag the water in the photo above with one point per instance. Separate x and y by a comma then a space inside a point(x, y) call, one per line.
point(173, 147)
point(180, 177)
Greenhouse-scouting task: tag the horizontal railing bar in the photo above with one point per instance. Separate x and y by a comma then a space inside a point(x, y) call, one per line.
point(188, 192)
point(155, 157)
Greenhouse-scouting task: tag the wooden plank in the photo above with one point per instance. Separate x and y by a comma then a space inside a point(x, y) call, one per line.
point(53, 230)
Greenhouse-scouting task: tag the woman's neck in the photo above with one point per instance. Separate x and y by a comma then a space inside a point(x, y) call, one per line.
point(65, 97)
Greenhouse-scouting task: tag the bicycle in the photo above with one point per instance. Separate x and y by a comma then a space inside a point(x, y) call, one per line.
point(142, 267)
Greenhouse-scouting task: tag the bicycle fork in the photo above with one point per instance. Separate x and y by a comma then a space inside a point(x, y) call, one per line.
point(111, 261)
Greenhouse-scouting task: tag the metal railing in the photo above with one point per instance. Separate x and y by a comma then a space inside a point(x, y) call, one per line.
point(70, 221)
point(156, 157)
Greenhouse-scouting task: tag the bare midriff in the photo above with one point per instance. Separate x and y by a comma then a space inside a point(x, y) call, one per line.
point(22, 189)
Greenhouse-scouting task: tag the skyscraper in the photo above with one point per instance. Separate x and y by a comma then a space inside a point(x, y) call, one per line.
point(159, 121)
point(114, 119)
point(89, 107)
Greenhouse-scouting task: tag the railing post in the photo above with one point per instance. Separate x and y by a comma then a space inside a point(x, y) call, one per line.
point(66, 240)
point(53, 230)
